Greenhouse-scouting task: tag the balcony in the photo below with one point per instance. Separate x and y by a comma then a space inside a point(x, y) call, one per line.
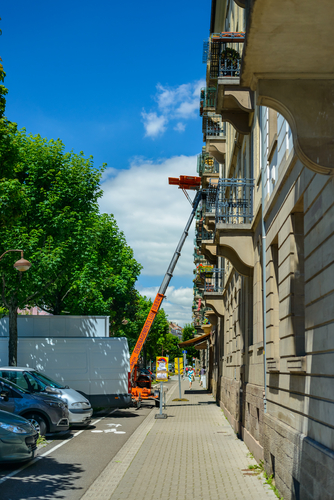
point(233, 102)
point(203, 235)
point(207, 167)
point(224, 59)
point(207, 100)
point(234, 217)
point(214, 135)
point(213, 290)
point(206, 164)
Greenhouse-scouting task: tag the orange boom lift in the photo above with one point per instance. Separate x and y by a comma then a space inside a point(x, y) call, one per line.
point(140, 384)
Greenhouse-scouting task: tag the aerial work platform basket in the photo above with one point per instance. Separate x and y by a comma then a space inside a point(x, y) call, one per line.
point(185, 182)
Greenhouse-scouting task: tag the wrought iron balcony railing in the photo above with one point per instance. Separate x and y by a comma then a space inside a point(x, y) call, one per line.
point(209, 204)
point(234, 201)
point(215, 281)
point(207, 99)
point(229, 67)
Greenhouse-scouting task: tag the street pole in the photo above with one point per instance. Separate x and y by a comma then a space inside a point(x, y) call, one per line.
point(161, 396)
point(178, 362)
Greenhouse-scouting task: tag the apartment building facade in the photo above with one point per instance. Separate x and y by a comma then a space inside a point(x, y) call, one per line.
point(265, 234)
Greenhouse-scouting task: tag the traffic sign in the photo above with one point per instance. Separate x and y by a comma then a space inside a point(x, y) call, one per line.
point(184, 352)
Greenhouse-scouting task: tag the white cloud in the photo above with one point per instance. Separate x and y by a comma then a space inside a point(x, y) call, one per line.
point(154, 125)
point(173, 103)
point(180, 127)
point(177, 303)
point(152, 213)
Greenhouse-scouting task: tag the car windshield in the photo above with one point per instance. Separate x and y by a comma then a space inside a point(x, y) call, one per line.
point(13, 386)
point(46, 380)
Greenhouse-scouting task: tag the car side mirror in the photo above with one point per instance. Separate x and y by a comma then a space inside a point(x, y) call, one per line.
point(4, 395)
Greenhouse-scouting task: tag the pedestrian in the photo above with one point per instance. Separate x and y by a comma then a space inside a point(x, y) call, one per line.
point(203, 372)
point(190, 376)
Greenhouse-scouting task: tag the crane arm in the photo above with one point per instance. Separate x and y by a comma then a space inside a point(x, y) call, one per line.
point(162, 290)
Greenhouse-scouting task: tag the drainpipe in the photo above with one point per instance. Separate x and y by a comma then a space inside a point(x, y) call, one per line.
point(264, 284)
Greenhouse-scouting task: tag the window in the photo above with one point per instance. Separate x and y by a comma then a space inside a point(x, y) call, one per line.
point(16, 378)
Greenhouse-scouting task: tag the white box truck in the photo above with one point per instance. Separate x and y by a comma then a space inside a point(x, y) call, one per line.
point(98, 367)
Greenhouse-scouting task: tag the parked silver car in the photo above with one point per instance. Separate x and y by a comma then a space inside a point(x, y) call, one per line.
point(80, 410)
point(46, 413)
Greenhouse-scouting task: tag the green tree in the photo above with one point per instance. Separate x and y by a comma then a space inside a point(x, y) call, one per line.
point(47, 198)
point(187, 334)
point(49, 208)
point(103, 282)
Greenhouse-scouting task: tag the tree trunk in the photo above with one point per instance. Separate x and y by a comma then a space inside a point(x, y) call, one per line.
point(12, 344)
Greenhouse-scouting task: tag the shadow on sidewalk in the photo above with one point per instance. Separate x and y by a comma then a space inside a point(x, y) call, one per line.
point(197, 391)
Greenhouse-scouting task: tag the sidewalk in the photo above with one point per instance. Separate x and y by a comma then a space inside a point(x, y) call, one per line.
point(193, 454)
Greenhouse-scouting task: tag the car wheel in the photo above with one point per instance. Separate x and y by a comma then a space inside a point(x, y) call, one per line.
point(38, 422)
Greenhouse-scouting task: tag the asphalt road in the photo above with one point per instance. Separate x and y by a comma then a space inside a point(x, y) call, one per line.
point(73, 461)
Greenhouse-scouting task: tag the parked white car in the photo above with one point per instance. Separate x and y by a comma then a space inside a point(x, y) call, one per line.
point(80, 410)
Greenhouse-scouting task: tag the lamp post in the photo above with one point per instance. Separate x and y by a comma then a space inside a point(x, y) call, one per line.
point(21, 265)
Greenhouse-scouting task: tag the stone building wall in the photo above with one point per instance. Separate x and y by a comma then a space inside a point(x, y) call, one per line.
point(293, 429)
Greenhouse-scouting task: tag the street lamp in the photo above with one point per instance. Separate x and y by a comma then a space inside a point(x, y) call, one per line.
point(22, 264)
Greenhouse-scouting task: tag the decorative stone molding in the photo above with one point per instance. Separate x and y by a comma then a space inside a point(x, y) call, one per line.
point(308, 106)
point(235, 243)
point(216, 146)
point(209, 250)
point(215, 301)
point(212, 317)
point(236, 106)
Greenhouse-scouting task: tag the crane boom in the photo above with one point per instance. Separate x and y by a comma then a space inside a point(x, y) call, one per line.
point(162, 290)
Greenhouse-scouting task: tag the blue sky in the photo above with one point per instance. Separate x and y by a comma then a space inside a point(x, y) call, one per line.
point(119, 81)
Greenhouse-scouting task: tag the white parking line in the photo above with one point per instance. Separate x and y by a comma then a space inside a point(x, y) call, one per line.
point(16, 471)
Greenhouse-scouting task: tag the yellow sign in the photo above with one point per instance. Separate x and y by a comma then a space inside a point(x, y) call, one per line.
point(178, 362)
point(162, 368)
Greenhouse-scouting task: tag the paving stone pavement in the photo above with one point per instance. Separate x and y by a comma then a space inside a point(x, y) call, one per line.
point(194, 453)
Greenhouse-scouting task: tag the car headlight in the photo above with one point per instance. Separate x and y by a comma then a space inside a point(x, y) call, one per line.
point(55, 404)
point(13, 428)
point(81, 405)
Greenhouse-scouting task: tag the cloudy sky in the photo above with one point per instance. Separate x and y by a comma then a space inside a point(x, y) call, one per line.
point(119, 81)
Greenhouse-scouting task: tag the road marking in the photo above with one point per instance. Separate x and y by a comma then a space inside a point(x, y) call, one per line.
point(16, 471)
point(113, 430)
